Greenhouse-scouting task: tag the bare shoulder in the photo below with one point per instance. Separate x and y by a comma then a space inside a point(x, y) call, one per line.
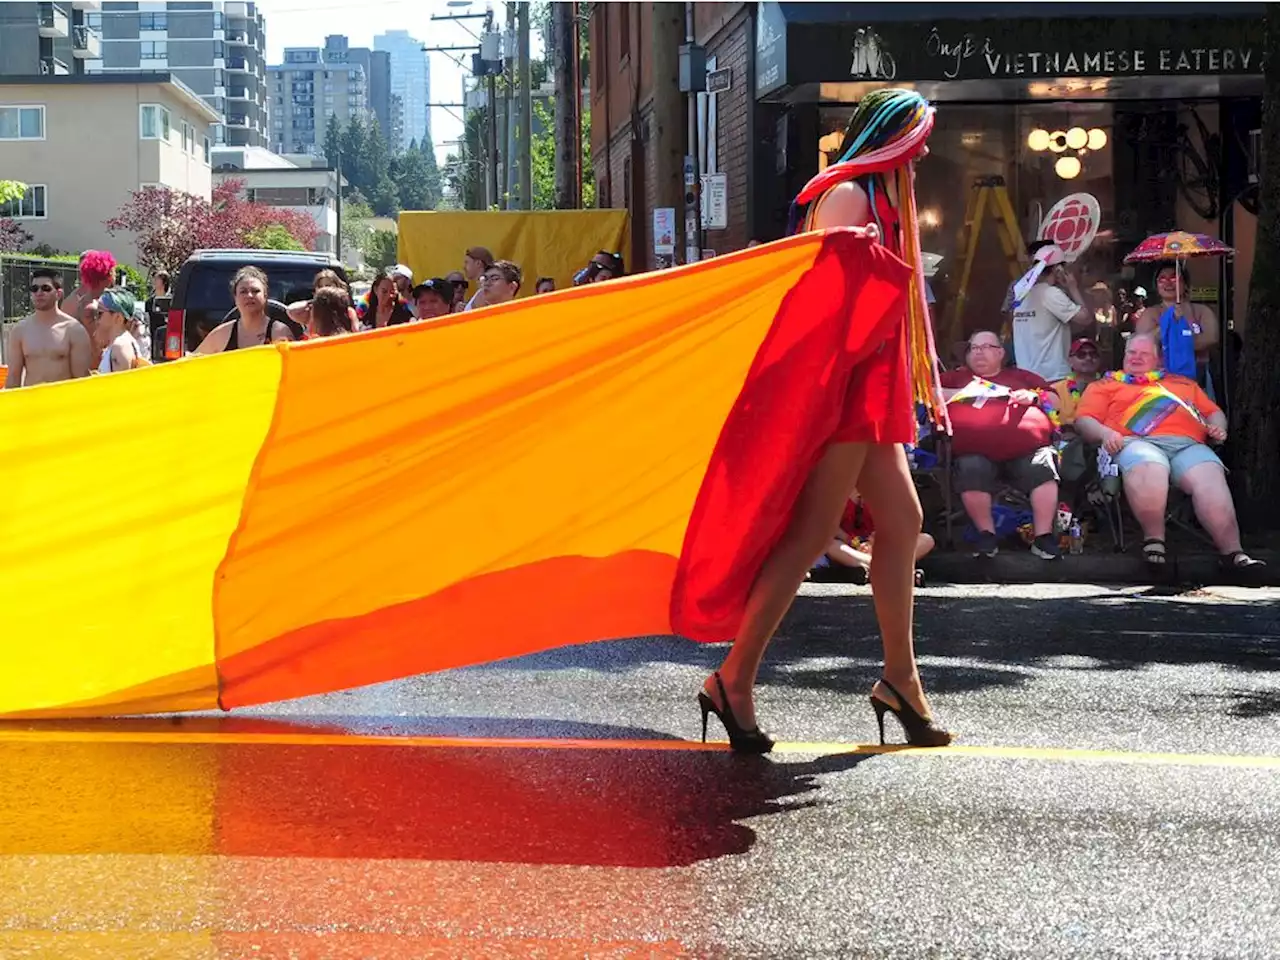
point(844, 205)
point(217, 339)
point(73, 329)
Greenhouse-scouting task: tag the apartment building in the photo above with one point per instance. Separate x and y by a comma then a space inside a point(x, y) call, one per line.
point(47, 39)
point(312, 85)
point(53, 137)
point(218, 49)
point(272, 179)
point(410, 81)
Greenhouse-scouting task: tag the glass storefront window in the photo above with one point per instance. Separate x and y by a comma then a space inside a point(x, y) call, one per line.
point(1142, 162)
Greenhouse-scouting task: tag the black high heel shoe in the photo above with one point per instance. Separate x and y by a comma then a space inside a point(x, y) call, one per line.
point(754, 740)
point(920, 732)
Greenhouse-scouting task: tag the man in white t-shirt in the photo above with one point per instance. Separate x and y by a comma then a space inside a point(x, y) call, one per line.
point(1043, 321)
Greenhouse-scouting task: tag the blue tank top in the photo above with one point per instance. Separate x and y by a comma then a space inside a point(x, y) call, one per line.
point(1178, 339)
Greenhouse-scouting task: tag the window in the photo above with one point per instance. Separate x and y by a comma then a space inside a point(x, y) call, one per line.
point(153, 21)
point(207, 151)
point(155, 50)
point(93, 21)
point(21, 123)
point(624, 29)
point(219, 50)
point(155, 122)
point(217, 20)
point(188, 138)
point(30, 206)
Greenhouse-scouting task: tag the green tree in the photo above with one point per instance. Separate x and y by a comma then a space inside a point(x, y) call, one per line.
point(333, 142)
point(353, 157)
point(272, 236)
point(11, 190)
point(544, 160)
point(355, 229)
point(435, 189)
point(414, 182)
point(380, 249)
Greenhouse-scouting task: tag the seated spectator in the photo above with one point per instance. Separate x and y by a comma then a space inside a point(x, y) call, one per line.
point(433, 299)
point(1078, 456)
point(1000, 429)
point(1156, 426)
point(855, 537)
point(545, 285)
point(500, 282)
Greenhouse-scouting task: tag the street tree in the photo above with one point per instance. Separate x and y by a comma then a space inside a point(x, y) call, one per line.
point(333, 142)
point(1256, 417)
point(380, 249)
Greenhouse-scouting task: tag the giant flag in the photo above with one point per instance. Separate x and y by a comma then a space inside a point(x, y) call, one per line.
point(609, 461)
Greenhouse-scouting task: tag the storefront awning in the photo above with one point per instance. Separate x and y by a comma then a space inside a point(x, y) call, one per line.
point(1004, 51)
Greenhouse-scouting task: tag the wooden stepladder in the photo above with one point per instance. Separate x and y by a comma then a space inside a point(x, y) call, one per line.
point(987, 195)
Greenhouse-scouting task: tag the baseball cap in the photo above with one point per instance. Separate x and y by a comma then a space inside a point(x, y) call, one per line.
point(400, 270)
point(117, 300)
point(436, 284)
point(1079, 342)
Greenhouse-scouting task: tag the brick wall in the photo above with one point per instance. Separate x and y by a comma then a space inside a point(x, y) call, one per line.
point(731, 46)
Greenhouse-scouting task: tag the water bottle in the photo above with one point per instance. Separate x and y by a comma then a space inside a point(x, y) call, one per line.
point(1077, 538)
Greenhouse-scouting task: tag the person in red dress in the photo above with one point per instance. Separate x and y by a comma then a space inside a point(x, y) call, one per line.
point(870, 188)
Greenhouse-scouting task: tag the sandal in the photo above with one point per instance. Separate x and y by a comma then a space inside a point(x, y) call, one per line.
point(1153, 552)
point(1239, 561)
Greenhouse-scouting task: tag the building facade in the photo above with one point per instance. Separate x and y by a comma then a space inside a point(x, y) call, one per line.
point(410, 80)
point(162, 137)
point(1157, 119)
point(271, 179)
point(47, 39)
point(312, 85)
point(218, 49)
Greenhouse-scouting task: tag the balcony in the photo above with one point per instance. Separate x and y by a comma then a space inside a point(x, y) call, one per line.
point(239, 93)
point(238, 65)
point(54, 22)
point(238, 38)
point(234, 120)
point(85, 44)
point(53, 67)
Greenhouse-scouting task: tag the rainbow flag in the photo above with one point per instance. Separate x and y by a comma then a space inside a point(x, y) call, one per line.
point(1153, 406)
point(608, 461)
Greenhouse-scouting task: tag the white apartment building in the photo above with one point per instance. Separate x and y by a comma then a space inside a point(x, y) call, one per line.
point(272, 179)
point(83, 143)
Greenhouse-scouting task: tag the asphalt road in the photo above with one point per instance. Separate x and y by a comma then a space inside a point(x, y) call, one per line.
point(1115, 793)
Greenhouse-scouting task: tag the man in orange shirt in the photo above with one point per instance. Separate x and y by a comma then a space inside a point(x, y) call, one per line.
point(1156, 426)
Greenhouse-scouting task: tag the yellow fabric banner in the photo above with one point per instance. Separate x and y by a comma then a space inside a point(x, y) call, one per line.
point(545, 243)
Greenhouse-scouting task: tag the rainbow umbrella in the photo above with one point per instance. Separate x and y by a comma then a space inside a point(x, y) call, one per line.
point(1178, 245)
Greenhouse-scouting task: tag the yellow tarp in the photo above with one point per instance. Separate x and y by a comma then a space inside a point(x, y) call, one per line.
point(545, 243)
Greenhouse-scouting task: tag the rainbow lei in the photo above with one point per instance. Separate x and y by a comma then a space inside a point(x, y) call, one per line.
point(1075, 388)
point(1136, 379)
point(1049, 404)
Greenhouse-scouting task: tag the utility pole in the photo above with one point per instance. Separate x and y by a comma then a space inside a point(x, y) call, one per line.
point(491, 60)
point(508, 115)
point(693, 80)
point(524, 116)
point(668, 128)
point(568, 122)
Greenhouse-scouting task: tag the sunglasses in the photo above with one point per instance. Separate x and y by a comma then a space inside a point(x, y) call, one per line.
point(42, 288)
point(1087, 353)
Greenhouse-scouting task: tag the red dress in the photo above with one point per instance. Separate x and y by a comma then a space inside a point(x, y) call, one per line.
point(879, 406)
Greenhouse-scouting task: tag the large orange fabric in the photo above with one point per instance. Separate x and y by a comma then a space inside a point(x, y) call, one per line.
point(604, 462)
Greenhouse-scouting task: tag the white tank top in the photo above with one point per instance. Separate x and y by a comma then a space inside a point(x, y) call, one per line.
point(126, 340)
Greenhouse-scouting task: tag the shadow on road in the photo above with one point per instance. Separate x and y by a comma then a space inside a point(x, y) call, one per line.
point(589, 807)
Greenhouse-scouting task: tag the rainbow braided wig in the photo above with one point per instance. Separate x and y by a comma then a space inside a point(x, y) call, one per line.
point(887, 131)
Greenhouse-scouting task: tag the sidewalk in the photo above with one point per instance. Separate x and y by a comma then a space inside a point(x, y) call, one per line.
point(1017, 565)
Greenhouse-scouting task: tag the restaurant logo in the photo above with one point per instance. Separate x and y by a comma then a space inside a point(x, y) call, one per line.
point(871, 58)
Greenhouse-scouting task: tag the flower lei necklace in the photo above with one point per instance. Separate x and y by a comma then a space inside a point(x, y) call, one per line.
point(1151, 376)
point(1075, 389)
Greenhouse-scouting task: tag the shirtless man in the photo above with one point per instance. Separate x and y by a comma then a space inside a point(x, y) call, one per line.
point(49, 345)
point(96, 272)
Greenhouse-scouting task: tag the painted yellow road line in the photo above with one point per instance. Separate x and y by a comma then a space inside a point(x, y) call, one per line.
point(180, 737)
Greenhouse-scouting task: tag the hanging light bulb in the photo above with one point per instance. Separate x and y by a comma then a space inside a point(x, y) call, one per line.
point(1097, 139)
point(1068, 168)
point(1077, 137)
point(1038, 140)
point(1057, 141)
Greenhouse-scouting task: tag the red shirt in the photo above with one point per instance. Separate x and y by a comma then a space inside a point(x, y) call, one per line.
point(997, 430)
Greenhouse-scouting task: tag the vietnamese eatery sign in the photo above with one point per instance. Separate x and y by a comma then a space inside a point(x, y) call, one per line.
point(1028, 48)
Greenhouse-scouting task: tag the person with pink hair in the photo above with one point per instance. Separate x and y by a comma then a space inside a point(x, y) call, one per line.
point(97, 273)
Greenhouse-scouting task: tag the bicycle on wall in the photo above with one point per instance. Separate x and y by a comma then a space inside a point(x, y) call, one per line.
point(1189, 159)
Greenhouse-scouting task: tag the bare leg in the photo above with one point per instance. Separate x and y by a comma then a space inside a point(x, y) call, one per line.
point(1207, 486)
point(887, 488)
point(977, 504)
point(817, 513)
point(1044, 507)
point(1146, 486)
point(924, 546)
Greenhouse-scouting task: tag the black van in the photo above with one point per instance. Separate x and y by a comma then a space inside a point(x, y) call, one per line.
point(202, 295)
